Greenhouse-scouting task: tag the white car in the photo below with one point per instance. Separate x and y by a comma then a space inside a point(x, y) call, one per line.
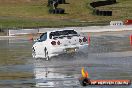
point(53, 43)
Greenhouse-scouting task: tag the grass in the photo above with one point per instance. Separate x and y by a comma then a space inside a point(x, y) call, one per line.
point(34, 13)
point(121, 10)
point(29, 23)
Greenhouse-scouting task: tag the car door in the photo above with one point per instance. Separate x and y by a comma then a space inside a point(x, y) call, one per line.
point(42, 43)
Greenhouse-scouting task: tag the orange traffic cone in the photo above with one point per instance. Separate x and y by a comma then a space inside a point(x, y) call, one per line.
point(88, 39)
point(31, 37)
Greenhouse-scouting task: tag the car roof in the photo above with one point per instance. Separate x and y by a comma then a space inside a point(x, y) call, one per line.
point(59, 30)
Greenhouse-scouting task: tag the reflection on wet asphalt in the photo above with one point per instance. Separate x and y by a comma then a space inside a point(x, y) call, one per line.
point(108, 57)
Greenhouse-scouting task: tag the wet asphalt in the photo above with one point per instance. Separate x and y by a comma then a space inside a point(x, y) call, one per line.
point(107, 57)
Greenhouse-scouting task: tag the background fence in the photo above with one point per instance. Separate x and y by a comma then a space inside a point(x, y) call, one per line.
point(78, 29)
point(22, 31)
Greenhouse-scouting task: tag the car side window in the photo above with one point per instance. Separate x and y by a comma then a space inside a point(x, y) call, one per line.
point(43, 37)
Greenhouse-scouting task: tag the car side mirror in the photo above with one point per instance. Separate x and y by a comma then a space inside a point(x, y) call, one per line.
point(37, 40)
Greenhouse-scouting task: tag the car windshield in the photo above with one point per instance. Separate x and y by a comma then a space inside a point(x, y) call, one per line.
point(64, 32)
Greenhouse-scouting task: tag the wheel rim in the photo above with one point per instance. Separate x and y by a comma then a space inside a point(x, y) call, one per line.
point(46, 54)
point(33, 53)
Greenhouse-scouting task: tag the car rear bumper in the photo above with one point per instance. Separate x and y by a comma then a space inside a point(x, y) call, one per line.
point(67, 49)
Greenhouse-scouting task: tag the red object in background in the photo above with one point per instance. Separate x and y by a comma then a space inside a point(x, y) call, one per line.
point(131, 40)
point(88, 40)
point(30, 37)
point(128, 22)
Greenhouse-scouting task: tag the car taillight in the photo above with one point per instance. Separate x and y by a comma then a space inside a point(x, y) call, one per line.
point(80, 40)
point(58, 42)
point(84, 39)
point(53, 43)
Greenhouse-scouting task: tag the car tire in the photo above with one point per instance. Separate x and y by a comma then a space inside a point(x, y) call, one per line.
point(46, 53)
point(62, 1)
point(57, 11)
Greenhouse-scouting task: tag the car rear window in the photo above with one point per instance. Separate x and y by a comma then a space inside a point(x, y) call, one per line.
point(64, 32)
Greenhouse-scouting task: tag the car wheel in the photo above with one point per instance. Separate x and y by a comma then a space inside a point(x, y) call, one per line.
point(33, 52)
point(46, 53)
